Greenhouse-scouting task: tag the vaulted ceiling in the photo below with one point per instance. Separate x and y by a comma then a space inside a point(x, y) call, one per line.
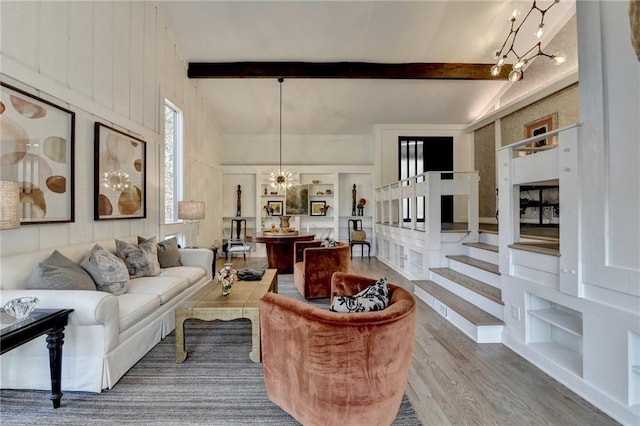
point(449, 31)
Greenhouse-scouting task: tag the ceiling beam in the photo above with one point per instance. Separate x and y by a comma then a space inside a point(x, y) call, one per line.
point(355, 70)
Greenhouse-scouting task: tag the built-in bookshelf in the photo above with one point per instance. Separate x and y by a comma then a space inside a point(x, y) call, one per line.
point(555, 331)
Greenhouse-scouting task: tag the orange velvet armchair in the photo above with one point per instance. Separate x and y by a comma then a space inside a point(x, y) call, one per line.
point(313, 266)
point(329, 368)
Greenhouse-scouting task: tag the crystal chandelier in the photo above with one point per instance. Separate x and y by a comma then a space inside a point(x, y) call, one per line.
point(536, 50)
point(281, 178)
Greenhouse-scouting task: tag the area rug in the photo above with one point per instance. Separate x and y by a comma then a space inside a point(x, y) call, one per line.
point(217, 385)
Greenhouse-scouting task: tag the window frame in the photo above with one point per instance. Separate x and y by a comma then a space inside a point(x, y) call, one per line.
point(178, 149)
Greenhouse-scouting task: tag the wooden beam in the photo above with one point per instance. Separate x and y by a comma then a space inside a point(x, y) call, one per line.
point(355, 70)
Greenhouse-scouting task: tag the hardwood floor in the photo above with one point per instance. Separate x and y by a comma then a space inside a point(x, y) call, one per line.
point(455, 381)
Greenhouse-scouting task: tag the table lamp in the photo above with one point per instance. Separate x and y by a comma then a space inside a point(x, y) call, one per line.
point(10, 207)
point(191, 212)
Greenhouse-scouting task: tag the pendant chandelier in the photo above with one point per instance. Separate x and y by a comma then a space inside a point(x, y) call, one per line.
point(536, 50)
point(281, 178)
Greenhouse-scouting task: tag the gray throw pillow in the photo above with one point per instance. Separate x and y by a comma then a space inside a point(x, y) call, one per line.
point(57, 272)
point(168, 254)
point(141, 259)
point(373, 298)
point(107, 270)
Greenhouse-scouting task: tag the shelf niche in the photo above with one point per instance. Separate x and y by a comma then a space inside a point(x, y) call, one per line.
point(555, 331)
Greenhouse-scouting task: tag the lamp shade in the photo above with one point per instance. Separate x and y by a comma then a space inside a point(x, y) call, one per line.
point(191, 210)
point(10, 206)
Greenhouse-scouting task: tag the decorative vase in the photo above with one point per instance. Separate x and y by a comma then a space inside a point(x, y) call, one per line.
point(227, 281)
point(284, 222)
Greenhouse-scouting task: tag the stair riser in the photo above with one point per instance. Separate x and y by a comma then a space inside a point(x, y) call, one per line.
point(479, 274)
point(481, 254)
point(488, 238)
point(479, 334)
point(487, 305)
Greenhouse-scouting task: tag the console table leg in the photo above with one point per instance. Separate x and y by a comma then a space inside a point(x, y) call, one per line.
point(55, 339)
point(181, 353)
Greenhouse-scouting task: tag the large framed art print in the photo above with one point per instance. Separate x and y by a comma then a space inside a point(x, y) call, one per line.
point(120, 163)
point(37, 152)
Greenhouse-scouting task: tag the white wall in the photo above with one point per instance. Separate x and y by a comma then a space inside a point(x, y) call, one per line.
point(297, 150)
point(112, 62)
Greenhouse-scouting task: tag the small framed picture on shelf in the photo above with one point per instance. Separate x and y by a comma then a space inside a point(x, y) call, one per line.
point(276, 207)
point(318, 208)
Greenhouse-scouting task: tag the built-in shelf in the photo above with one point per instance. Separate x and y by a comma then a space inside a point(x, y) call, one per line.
point(560, 319)
point(567, 357)
point(555, 331)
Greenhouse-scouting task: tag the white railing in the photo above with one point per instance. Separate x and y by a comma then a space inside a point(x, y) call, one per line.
point(427, 189)
point(524, 163)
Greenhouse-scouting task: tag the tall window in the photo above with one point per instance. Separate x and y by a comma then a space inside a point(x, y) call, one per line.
point(172, 161)
point(411, 157)
point(425, 154)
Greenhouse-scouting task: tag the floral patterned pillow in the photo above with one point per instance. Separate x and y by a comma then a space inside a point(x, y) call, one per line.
point(328, 242)
point(373, 298)
point(107, 270)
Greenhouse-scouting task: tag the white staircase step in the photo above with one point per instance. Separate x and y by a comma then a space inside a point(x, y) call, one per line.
point(486, 272)
point(483, 251)
point(481, 326)
point(484, 296)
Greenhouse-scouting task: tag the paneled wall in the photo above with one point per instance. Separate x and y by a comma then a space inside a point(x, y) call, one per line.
point(113, 62)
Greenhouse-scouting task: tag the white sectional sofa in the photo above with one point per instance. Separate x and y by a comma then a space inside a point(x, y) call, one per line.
point(106, 334)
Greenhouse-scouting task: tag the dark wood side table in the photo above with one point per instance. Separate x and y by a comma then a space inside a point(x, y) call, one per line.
point(280, 249)
point(51, 322)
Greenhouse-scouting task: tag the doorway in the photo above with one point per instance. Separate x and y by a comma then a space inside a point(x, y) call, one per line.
point(426, 154)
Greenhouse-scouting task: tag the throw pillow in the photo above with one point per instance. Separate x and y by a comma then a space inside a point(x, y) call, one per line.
point(358, 235)
point(57, 272)
point(168, 254)
point(107, 270)
point(328, 242)
point(373, 298)
point(141, 259)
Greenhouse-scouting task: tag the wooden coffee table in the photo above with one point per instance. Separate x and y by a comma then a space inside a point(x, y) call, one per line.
point(209, 304)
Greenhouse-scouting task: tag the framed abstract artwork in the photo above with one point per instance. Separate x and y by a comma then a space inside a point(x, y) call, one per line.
point(120, 162)
point(539, 127)
point(37, 151)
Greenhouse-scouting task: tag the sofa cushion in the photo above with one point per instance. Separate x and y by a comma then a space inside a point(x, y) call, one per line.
point(373, 298)
point(57, 272)
point(168, 254)
point(165, 287)
point(193, 274)
point(107, 270)
point(141, 259)
point(136, 307)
